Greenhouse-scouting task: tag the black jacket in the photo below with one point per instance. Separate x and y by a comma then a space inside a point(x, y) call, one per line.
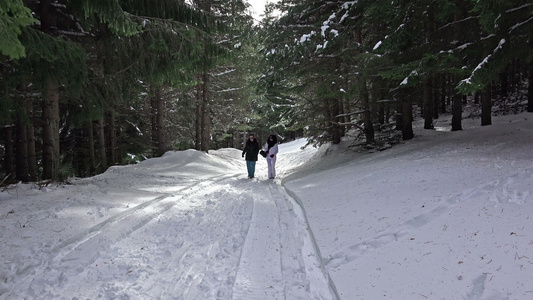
point(251, 149)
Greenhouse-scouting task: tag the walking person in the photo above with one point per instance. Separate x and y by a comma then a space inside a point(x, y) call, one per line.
point(271, 148)
point(251, 148)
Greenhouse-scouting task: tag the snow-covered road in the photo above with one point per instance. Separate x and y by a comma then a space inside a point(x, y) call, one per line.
point(185, 226)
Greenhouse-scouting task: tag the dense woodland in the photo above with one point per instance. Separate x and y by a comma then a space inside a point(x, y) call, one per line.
point(87, 84)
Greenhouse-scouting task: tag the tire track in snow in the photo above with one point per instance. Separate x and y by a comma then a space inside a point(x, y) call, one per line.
point(259, 272)
point(279, 259)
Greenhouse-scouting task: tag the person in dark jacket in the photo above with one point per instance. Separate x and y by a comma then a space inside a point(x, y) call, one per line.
point(251, 149)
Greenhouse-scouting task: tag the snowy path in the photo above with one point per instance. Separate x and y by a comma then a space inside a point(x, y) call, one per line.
point(279, 259)
point(167, 235)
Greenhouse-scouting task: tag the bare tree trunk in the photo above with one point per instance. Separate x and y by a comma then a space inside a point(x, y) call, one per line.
point(9, 154)
point(158, 135)
point(428, 87)
point(101, 145)
point(365, 97)
point(428, 104)
point(51, 154)
point(206, 119)
point(89, 149)
point(332, 123)
point(399, 112)
point(32, 156)
point(199, 103)
point(22, 146)
point(50, 115)
point(367, 115)
point(407, 116)
point(457, 113)
point(486, 107)
point(530, 86)
point(342, 120)
point(444, 94)
point(112, 138)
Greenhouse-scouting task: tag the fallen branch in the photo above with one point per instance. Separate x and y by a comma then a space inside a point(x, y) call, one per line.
point(5, 178)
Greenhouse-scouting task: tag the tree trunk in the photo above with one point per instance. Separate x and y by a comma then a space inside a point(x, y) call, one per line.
point(407, 116)
point(530, 87)
point(486, 107)
point(101, 145)
point(504, 83)
point(333, 124)
point(9, 154)
point(23, 173)
point(158, 135)
point(50, 115)
point(443, 94)
point(381, 113)
point(112, 138)
point(367, 116)
point(436, 95)
point(199, 104)
point(32, 156)
point(428, 104)
point(346, 107)
point(206, 119)
point(51, 154)
point(89, 154)
point(342, 120)
point(457, 112)
point(399, 112)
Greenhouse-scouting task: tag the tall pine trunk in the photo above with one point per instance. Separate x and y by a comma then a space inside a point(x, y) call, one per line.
point(26, 166)
point(205, 117)
point(30, 131)
point(365, 97)
point(9, 152)
point(367, 115)
point(486, 107)
point(428, 104)
point(199, 109)
point(158, 134)
point(332, 119)
point(50, 118)
point(50, 115)
point(102, 145)
point(457, 113)
point(407, 117)
point(89, 158)
point(112, 138)
point(530, 86)
point(428, 87)
point(23, 173)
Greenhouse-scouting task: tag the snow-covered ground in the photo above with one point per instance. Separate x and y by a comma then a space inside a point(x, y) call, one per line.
point(447, 215)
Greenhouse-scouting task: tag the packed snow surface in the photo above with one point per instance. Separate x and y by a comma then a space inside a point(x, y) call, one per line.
point(447, 215)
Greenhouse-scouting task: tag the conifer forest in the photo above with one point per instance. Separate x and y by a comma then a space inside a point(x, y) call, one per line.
point(88, 84)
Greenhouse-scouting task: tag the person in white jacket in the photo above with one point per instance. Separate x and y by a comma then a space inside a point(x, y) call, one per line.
point(271, 149)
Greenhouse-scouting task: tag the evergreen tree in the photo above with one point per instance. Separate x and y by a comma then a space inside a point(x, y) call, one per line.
point(14, 17)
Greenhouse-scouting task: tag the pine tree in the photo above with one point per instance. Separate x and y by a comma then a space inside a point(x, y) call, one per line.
point(14, 17)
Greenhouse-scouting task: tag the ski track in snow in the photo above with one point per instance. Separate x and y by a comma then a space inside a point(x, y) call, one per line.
point(71, 257)
point(115, 258)
point(286, 255)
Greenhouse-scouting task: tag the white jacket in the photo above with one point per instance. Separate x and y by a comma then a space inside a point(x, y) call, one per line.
point(273, 150)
